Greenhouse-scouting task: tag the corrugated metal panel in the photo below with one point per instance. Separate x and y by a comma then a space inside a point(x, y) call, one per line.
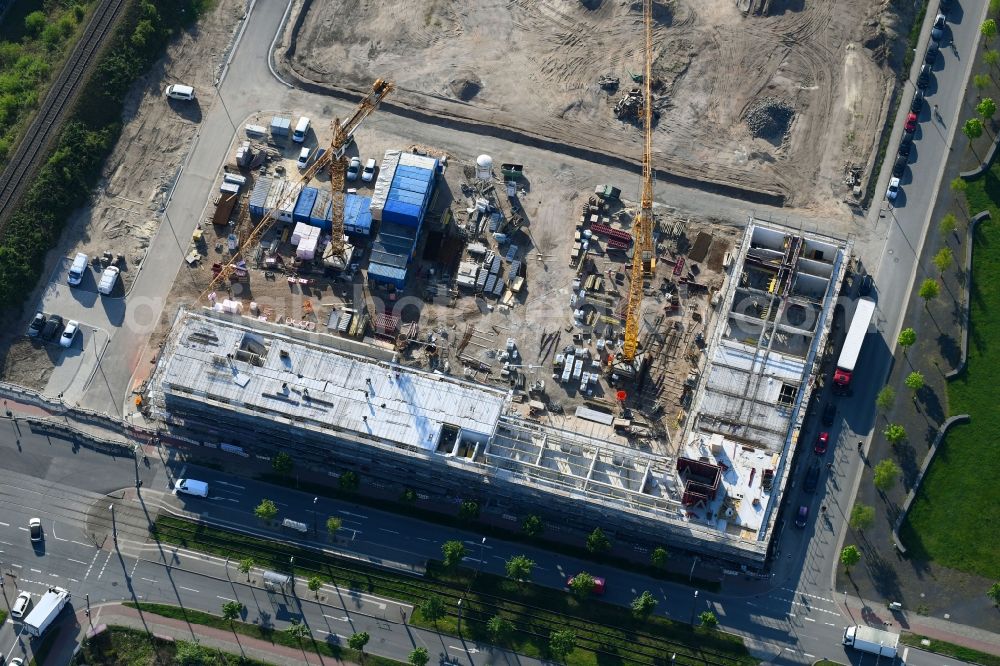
point(258, 197)
point(401, 213)
point(411, 198)
point(415, 185)
point(387, 171)
point(304, 204)
point(357, 214)
point(280, 126)
point(317, 217)
point(410, 159)
point(416, 173)
point(387, 274)
point(275, 193)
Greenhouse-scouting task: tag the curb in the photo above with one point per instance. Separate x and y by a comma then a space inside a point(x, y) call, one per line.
point(942, 431)
point(985, 165)
point(967, 310)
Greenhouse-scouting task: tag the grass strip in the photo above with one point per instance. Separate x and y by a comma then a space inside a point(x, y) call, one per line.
point(274, 636)
point(125, 645)
point(604, 631)
point(951, 650)
point(408, 509)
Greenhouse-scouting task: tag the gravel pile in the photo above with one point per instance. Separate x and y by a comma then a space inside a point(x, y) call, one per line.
point(769, 118)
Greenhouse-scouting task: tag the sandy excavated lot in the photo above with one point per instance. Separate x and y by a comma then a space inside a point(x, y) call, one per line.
point(534, 65)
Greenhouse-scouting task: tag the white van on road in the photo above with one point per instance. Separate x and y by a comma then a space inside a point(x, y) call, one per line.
point(191, 487)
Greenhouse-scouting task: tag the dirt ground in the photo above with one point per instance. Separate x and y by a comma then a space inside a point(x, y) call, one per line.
point(779, 104)
point(125, 212)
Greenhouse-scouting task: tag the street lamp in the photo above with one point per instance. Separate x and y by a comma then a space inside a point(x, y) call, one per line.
point(694, 604)
point(114, 525)
point(315, 528)
point(460, 616)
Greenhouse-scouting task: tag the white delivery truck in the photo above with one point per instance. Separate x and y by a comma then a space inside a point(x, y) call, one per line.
point(870, 639)
point(46, 611)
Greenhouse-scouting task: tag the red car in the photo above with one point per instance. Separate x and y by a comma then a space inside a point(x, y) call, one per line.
point(911, 123)
point(598, 584)
point(821, 443)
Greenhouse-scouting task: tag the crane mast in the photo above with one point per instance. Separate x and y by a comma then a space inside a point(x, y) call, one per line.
point(642, 231)
point(335, 161)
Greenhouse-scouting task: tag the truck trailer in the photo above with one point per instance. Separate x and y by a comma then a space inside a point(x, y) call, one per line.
point(856, 334)
point(870, 639)
point(46, 611)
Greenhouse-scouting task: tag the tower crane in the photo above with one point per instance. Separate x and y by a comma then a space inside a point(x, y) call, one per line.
point(334, 160)
point(642, 231)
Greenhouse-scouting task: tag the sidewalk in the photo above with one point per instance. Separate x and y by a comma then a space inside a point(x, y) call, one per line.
point(116, 614)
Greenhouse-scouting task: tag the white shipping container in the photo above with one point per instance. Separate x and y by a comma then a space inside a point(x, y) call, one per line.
point(384, 181)
point(235, 178)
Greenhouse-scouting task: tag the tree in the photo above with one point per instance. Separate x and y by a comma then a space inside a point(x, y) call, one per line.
point(986, 108)
point(929, 289)
point(943, 259)
point(995, 6)
point(246, 565)
point(914, 381)
point(980, 82)
point(862, 517)
point(453, 552)
point(988, 30)
point(35, 22)
point(894, 433)
point(432, 608)
point(519, 568)
point(282, 463)
point(708, 620)
point(597, 541)
point(972, 129)
point(469, 510)
point(315, 582)
point(189, 654)
point(333, 524)
point(358, 641)
point(886, 474)
point(958, 186)
point(561, 643)
point(644, 604)
point(532, 526)
point(231, 610)
point(297, 630)
point(849, 557)
point(885, 398)
point(994, 593)
point(659, 557)
point(906, 338)
point(266, 510)
point(349, 481)
point(582, 585)
point(419, 656)
point(991, 57)
point(500, 629)
point(409, 496)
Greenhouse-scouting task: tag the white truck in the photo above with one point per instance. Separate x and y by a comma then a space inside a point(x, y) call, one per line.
point(870, 639)
point(46, 611)
point(851, 350)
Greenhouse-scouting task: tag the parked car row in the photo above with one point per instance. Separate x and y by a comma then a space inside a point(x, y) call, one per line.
point(51, 327)
point(917, 103)
point(354, 170)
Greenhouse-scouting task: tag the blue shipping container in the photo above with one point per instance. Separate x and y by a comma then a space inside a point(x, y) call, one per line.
point(357, 214)
point(411, 185)
point(317, 217)
point(304, 205)
point(401, 212)
point(258, 197)
point(387, 275)
point(413, 198)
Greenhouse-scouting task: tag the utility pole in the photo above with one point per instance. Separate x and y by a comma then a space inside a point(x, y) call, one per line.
point(315, 520)
point(114, 524)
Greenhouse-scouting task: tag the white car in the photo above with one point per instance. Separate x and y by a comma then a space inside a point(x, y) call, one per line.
point(35, 529)
point(353, 168)
point(893, 190)
point(182, 92)
point(21, 605)
point(69, 333)
point(369, 173)
point(303, 158)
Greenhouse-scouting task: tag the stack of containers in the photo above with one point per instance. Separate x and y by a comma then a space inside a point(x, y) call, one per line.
point(357, 214)
point(318, 214)
point(384, 182)
point(304, 205)
point(259, 195)
point(308, 241)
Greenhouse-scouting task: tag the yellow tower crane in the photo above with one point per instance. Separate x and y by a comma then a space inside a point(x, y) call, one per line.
point(335, 161)
point(643, 258)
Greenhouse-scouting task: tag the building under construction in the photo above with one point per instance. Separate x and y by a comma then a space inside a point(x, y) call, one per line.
point(259, 387)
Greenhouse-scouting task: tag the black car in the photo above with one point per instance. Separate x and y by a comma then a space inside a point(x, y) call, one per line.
point(944, 6)
point(867, 283)
point(906, 145)
point(812, 479)
point(931, 56)
point(37, 324)
point(924, 77)
point(829, 413)
point(918, 102)
point(52, 327)
point(899, 167)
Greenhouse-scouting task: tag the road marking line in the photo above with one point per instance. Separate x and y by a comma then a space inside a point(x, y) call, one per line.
point(906, 651)
point(808, 619)
point(788, 649)
point(224, 598)
point(6, 543)
point(355, 515)
point(342, 618)
point(151, 580)
point(104, 566)
point(23, 529)
point(54, 575)
point(73, 579)
point(91, 567)
point(76, 561)
point(811, 656)
point(234, 485)
point(35, 570)
point(5, 524)
point(830, 624)
point(791, 615)
point(382, 529)
point(16, 565)
point(80, 543)
point(189, 589)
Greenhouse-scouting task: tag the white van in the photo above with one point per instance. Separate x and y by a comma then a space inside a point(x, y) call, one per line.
point(191, 487)
point(301, 129)
point(109, 278)
point(182, 92)
point(77, 269)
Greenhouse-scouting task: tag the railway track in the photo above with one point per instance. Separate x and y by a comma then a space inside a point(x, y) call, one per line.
point(621, 643)
point(45, 126)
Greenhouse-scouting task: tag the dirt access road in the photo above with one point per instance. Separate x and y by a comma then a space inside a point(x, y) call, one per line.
point(775, 104)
